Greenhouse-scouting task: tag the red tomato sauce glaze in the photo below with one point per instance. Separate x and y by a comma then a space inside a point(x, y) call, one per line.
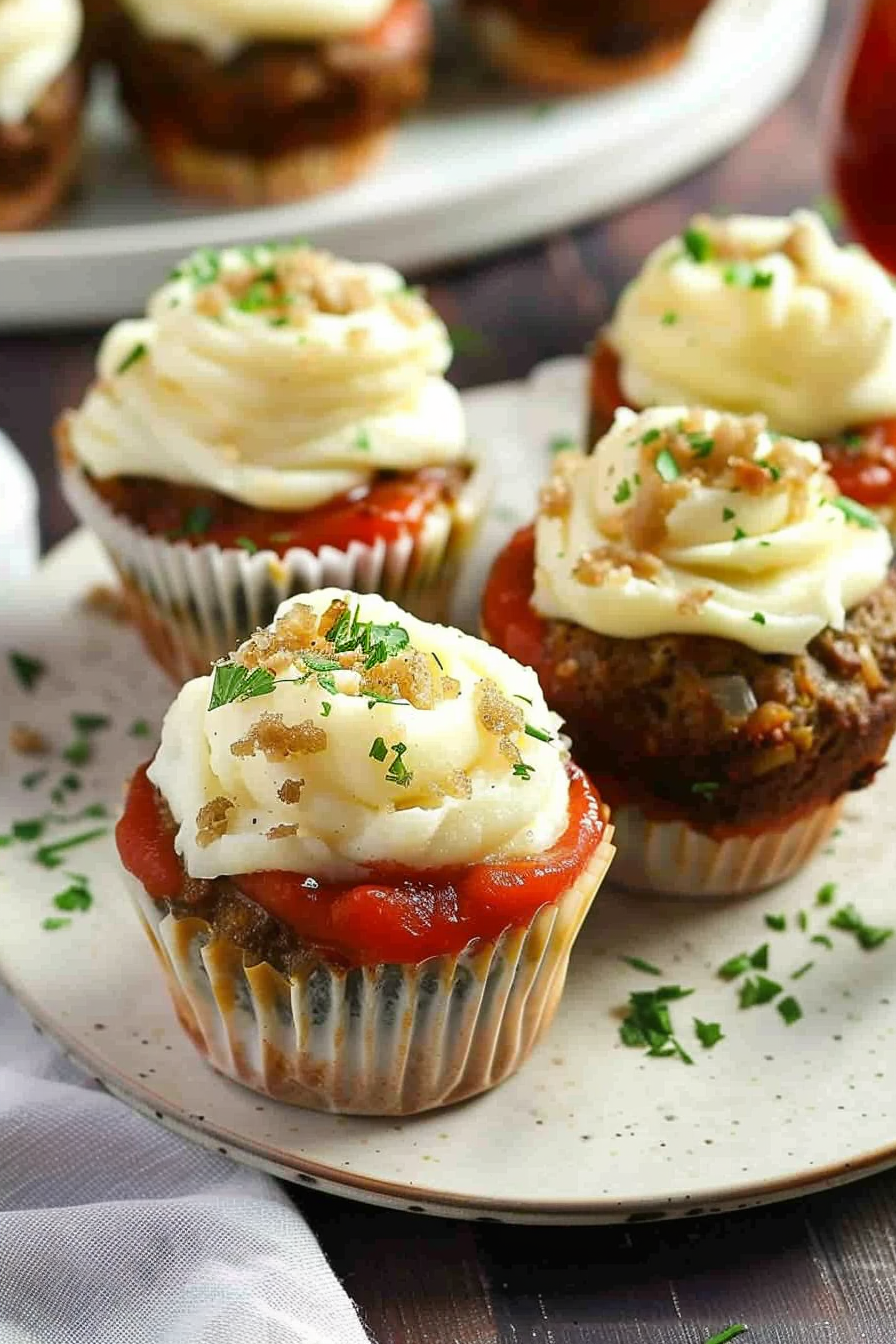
point(396, 915)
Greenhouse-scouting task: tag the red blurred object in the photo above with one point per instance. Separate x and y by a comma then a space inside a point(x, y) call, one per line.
point(865, 145)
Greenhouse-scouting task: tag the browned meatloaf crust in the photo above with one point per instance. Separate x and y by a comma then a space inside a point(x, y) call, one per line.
point(38, 156)
point(644, 712)
point(606, 28)
point(271, 98)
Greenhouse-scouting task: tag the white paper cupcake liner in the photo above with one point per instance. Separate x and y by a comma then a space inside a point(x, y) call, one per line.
point(670, 858)
point(195, 604)
point(380, 1040)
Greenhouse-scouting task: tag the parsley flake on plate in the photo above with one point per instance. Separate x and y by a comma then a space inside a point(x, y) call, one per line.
point(708, 1033)
point(639, 964)
point(27, 670)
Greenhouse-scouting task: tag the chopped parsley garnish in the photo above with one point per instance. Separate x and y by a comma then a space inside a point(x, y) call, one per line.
point(759, 959)
point(33, 778)
point(398, 773)
point(197, 520)
point(649, 1024)
point(319, 662)
point(78, 752)
point(623, 492)
point(825, 895)
point(538, 733)
point(776, 922)
point(132, 358)
point(701, 444)
point(852, 441)
point(639, 964)
point(202, 268)
point(256, 296)
point(522, 770)
point(247, 544)
point(823, 940)
point(362, 441)
point(734, 966)
point(74, 897)
point(650, 436)
point(379, 751)
point(708, 1033)
point(755, 992)
point(28, 830)
point(790, 1010)
point(467, 341)
point(739, 534)
point(868, 936)
point(705, 788)
point(726, 1336)
point(90, 723)
point(773, 471)
point(54, 922)
point(49, 855)
point(758, 618)
point(326, 708)
point(697, 245)
point(854, 512)
point(562, 443)
point(803, 970)
point(666, 465)
point(139, 728)
point(233, 683)
point(27, 670)
point(669, 319)
point(744, 275)
point(727, 515)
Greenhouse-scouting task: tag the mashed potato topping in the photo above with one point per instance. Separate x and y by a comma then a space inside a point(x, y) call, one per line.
point(696, 522)
point(350, 734)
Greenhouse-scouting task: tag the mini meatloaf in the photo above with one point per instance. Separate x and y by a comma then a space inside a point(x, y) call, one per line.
point(669, 714)
point(276, 120)
point(39, 156)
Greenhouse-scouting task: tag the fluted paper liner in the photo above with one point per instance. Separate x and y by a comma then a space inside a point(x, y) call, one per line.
point(195, 604)
point(670, 858)
point(378, 1040)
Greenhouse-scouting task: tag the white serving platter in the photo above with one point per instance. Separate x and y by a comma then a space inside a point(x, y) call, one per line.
point(589, 1130)
point(481, 167)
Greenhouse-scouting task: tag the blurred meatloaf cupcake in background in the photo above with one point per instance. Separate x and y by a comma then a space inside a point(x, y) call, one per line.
point(717, 626)
point(762, 314)
point(573, 46)
point(270, 100)
point(41, 100)
point(363, 857)
point(279, 421)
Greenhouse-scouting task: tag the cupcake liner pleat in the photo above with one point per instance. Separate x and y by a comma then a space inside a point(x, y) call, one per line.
point(670, 858)
point(373, 1040)
point(195, 604)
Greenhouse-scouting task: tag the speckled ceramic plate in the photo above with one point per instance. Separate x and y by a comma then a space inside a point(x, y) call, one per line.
point(589, 1130)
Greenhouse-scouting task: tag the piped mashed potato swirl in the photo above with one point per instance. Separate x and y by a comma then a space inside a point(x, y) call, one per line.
point(761, 314)
point(695, 522)
point(282, 377)
point(221, 28)
point(38, 39)
point(407, 746)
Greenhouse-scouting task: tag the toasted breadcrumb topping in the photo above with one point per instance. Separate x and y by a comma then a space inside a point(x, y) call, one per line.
point(211, 821)
point(277, 741)
point(496, 713)
point(282, 832)
point(290, 791)
point(27, 741)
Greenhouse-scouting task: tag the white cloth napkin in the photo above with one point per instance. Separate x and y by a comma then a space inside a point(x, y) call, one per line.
point(113, 1231)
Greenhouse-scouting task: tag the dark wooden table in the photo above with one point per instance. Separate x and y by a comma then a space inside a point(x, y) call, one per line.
point(819, 1271)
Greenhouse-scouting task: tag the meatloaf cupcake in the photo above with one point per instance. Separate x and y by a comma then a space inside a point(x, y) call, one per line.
point(579, 45)
point(363, 856)
point(718, 628)
point(270, 100)
point(753, 314)
point(41, 97)
point(278, 422)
